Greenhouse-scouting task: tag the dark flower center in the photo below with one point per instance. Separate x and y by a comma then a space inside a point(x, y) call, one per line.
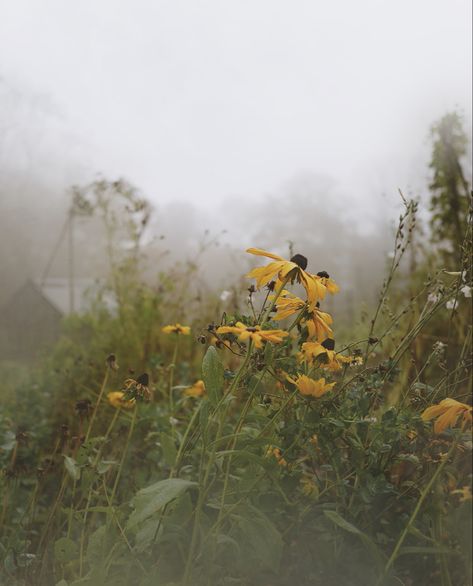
point(329, 344)
point(300, 260)
point(323, 274)
point(143, 379)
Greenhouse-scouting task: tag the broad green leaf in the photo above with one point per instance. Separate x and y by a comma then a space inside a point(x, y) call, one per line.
point(262, 537)
point(65, 550)
point(368, 542)
point(152, 499)
point(95, 547)
point(212, 375)
point(72, 468)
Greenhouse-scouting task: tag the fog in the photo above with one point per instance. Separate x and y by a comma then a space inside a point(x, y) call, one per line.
point(262, 122)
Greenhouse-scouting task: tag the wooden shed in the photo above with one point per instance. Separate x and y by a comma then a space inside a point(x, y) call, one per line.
point(31, 320)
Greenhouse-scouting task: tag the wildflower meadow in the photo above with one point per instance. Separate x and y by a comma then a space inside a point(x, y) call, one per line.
point(163, 441)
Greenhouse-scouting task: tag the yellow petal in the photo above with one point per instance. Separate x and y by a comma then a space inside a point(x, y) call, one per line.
point(446, 420)
point(261, 252)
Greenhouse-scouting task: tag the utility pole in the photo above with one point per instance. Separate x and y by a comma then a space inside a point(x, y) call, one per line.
point(71, 260)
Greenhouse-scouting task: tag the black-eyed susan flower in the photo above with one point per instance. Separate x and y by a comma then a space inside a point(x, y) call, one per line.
point(196, 390)
point(310, 387)
point(329, 359)
point(448, 412)
point(317, 322)
point(253, 333)
point(327, 282)
point(117, 400)
point(287, 271)
point(176, 329)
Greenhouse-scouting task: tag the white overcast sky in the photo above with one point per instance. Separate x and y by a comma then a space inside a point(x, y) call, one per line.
point(201, 100)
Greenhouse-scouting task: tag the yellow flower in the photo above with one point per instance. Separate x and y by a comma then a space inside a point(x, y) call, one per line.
point(115, 398)
point(310, 387)
point(327, 282)
point(254, 333)
point(196, 390)
point(465, 493)
point(288, 304)
point(177, 329)
point(276, 453)
point(447, 413)
point(292, 270)
point(318, 322)
point(331, 361)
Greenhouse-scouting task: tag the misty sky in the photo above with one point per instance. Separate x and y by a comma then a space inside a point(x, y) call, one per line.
point(202, 100)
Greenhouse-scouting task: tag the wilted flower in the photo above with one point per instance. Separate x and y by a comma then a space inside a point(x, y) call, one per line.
point(451, 304)
point(276, 453)
point(137, 389)
point(83, 407)
point(292, 270)
point(176, 329)
point(465, 494)
point(310, 387)
point(447, 413)
point(196, 390)
point(254, 333)
point(466, 290)
point(117, 400)
point(111, 362)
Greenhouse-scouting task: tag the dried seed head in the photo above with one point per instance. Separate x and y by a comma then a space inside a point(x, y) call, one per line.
point(111, 362)
point(300, 260)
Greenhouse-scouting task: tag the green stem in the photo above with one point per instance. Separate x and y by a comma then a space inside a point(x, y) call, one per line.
point(125, 450)
point(94, 413)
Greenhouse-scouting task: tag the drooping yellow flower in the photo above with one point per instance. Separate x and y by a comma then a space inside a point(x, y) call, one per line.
point(330, 360)
point(292, 270)
point(447, 413)
point(327, 282)
point(318, 322)
point(176, 329)
point(287, 304)
point(254, 333)
point(116, 399)
point(196, 390)
point(310, 387)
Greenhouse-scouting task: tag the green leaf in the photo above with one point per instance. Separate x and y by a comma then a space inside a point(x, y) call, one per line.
point(95, 547)
point(72, 468)
point(368, 542)
point(152, 499)
point(169, 448)
point(212, 375)
point(65, 550)
point(261, 536)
